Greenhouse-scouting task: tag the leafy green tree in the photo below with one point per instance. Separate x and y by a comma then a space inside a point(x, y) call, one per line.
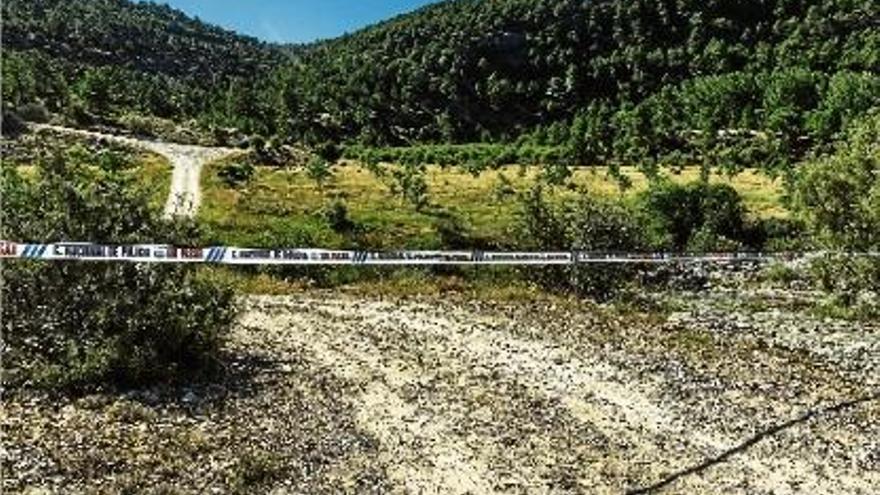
point(318, 170)
point(591, 135)
point(686, 216)
point(849, 95)
point(839, 194)
point(19, 80)
point(94, 91)
point(408, 181)
point(789, 95)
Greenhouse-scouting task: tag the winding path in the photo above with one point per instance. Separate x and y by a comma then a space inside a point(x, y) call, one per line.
point(187, 161)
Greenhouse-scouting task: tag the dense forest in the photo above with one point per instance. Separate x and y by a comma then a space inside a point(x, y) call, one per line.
point(624, 81)
point(99, 59)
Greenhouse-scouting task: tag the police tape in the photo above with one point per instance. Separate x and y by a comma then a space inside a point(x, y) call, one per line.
point(152, 253)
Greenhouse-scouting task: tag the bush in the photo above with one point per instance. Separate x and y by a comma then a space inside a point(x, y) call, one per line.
point(838, 196)
point(409, 182)
point(329, 152)
point(236, 174)
point(585, 225)
point(604, 226)
point(145, 126)
point(540, 225)
point(34, 112)
point(79, 115)
point(783, 234)
point(852, 281)
point(698, 216)
point(336, 214)
point(81, 325)
point(12, 125)
point(452, 231)
point(318, 169)
point(121, 324)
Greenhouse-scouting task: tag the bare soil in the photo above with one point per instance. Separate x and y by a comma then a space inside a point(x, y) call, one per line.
point(330, 393)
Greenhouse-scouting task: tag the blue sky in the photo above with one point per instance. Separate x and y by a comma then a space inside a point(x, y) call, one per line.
point(296, 21)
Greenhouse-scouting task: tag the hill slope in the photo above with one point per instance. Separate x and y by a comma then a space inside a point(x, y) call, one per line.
point(466, 69)
point(140, 36)
point(113, 56)
point(628, 74)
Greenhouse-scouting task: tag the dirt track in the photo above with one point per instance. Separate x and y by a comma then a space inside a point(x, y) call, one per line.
point(464, 402)
point(343, 394)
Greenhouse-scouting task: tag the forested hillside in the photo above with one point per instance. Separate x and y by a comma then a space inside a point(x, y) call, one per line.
point(101, 57)
point(613, 80)
point(464, 69)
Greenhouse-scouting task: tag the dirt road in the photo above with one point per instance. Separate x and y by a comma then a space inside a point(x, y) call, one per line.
point(343, 394)
point(187, 162)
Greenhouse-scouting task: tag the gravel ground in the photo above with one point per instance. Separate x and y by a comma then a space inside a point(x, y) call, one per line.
point(331, 393)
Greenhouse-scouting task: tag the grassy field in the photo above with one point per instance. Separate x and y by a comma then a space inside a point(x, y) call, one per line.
point(156, 173)
point(285, 207)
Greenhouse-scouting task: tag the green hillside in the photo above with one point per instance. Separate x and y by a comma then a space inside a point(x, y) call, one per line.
point(467, 70)
point(96, 59)
point(613, 80)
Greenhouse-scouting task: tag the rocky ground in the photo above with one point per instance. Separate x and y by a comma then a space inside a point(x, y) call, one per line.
point(729, 392)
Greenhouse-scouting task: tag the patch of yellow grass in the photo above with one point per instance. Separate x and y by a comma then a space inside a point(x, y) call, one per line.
point(27, 171)
point(155, 171)
point(278, 199)
point(246, 282)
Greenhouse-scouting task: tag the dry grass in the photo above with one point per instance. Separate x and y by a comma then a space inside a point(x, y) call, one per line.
point(156, 173)
point(153, 169)
point(283, 206)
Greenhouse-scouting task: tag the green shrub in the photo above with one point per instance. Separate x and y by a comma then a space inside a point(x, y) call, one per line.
point(698, 216)
point(12, 125)
point(336, 214)
point(452, 231)
point(120, 324)
point(34, 112)
point(838, 196)
point(604, 226)
point(329, 152)
point(79, 114)
point(853, 283)
point(781, 273)
point(139, 125)
point(707, 239)
point(409, 182)
point(80, 325)
point(236, 174)
point(587, 224)
point(540, 224)
point(318, 169)
point(784, 234)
